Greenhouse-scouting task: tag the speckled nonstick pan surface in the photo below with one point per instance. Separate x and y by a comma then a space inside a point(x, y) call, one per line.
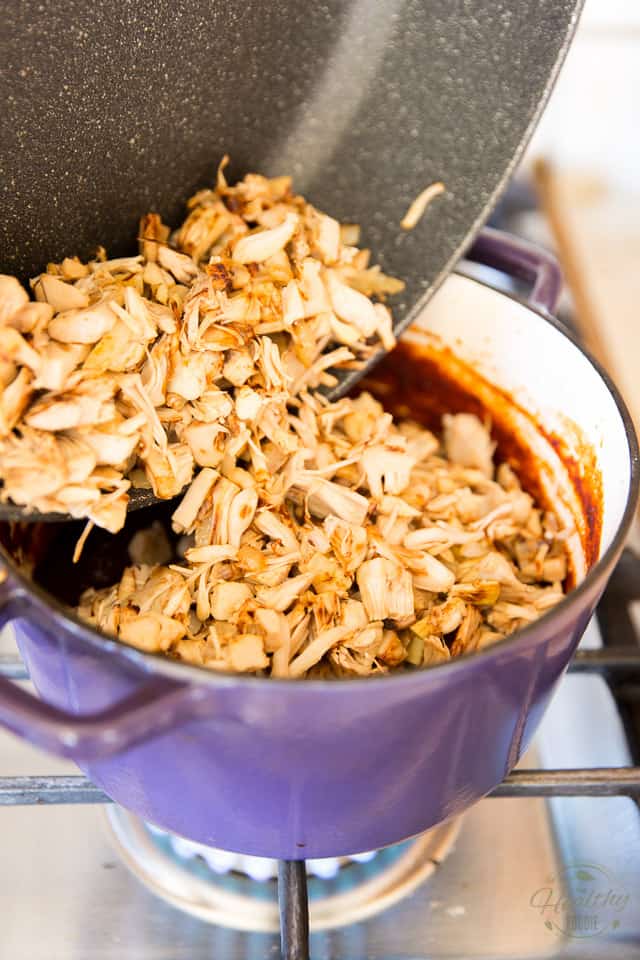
point(112, 109)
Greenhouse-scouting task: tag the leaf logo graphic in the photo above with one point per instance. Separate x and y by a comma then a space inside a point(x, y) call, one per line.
point(582, 901)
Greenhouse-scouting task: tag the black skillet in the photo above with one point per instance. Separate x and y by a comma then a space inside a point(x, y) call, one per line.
point(110, 110)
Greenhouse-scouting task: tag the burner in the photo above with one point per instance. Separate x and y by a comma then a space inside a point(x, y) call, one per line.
point(221, 887)
point(258, 868)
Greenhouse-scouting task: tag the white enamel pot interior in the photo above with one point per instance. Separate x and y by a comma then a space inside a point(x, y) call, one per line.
point(485, 340)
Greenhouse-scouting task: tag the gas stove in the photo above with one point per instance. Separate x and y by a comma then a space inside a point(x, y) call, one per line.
point(547, 866)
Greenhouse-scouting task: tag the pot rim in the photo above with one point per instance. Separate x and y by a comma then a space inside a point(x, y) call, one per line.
point(159, 663)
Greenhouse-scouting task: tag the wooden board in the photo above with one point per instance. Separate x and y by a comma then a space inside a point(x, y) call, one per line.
point(597, 236)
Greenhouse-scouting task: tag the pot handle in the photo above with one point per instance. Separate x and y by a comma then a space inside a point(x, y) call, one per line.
point(157, 706)
point(521, 259)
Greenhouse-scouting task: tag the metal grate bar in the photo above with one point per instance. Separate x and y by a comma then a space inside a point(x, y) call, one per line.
point(609, 658)
point(293, 905)
point(12, 667)
point(598, 782)
point(25, 791)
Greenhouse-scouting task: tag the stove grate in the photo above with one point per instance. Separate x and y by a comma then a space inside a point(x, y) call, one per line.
point(620, 666)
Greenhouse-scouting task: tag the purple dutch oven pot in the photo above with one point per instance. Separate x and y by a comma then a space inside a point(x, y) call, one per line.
point(296, 769)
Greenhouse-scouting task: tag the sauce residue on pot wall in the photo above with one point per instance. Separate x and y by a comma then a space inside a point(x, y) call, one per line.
point(422, 382)
point(581, 464)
